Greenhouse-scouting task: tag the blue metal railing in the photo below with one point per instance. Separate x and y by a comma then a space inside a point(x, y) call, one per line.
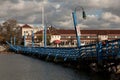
point(98, 52)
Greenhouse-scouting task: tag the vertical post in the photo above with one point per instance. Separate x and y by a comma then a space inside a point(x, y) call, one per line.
point(32, 38)
point(24, 39)
point(113, 49)
point(91, 50)
point(11, 40)
point(14, 40)
point(119, 46)
point(45, 42)
point(44, 30)
point(99, 53)
point(76, 28)
point(107, 48)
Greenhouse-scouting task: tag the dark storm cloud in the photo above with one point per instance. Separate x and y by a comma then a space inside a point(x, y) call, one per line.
point(14, 1)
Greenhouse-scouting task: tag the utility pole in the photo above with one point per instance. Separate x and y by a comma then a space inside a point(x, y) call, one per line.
point(44, 27)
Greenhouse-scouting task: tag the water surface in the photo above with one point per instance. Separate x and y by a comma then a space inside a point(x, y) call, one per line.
point(20, 67)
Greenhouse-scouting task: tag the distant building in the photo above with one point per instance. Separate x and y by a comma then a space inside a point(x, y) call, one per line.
point(27, 29)
point(68, 37)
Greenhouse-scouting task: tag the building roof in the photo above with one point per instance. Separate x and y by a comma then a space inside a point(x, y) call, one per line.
point(65, 31)
point(98, 32)
point(48, 32)
point(40, 32)
point(26, 26)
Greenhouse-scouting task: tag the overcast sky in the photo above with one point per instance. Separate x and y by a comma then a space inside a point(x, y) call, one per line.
point(101, 14)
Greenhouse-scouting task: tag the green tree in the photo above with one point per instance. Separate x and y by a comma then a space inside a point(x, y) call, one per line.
point(48, 39)
point(39, 38)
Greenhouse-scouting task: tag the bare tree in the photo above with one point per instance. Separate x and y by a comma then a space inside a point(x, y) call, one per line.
point(9, 29)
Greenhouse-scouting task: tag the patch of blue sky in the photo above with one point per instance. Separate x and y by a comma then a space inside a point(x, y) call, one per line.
point(95, 12)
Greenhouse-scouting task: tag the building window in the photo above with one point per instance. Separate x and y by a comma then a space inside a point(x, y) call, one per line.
point(88, 37)
point(73, 36)
point(84, 37)
point(115, 36)
point(93, 37)
point(111, 36)
point(118, 36)
point(63, 37)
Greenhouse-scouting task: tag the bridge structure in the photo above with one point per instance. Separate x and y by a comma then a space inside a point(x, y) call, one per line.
point(102, 55)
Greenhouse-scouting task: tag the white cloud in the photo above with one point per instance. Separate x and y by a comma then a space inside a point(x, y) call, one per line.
point(107, 16)
point(82, 26)
point(57, 6)
point(105, 25)
point(103, 3)
point(31, 18)
point(58, 12)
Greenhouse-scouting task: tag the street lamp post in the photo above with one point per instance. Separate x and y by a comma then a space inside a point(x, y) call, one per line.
point(77, 28)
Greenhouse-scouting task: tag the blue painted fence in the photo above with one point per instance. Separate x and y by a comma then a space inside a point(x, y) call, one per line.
point(95, 52)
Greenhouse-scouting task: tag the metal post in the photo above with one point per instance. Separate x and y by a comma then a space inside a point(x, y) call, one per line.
point(113, 48)
point(44, 30)
point(107, 48)
point(24, 39)
point(77, 30)
point(91, 49)
point(45, 43)
point(119, 46)
point(99, 53)
point(11, 40)
point(32, 38)
point(14, 40)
